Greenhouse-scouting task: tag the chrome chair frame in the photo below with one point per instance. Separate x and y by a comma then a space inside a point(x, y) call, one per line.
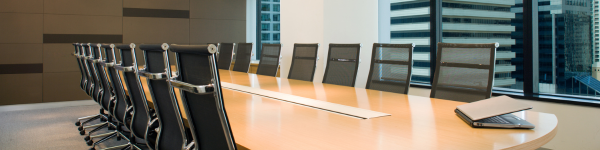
point(80, 55)
point(214, 88)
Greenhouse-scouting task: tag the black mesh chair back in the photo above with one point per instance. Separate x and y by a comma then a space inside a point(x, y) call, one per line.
point(391, 67)
point(137, 97)
point(342, 64)
point(107, 64)
point(88, 66)
point(92, 60)
point(121, 99)
point(225, 55)
point(243, 56)
point(77, 55)
point(304, 62)
point(269, 60)
point(105, 88)
point(464, 72)
point(157, 71)
point(200, 89)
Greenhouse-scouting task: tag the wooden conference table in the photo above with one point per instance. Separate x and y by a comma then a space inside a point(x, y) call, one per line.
point(415, 123)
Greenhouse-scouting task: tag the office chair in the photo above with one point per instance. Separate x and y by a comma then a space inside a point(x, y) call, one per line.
point(243, 56)
point(304, 61)
point(121, 110)
point(92, 59)
point(391, 67)
point(138, 111)
point(200, 89)
point(464, 72)
point(77, 55)
point(90, 82)
point(225, 55)
point(342, 64)
point(168, 118)
point(108, 98)
point(85, 79)
point(104, 89)
point(170, 132)
point(269, 60)
point(95, 86)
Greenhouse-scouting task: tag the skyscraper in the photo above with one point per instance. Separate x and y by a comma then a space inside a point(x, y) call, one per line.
point(462, 22)
point(596, 42)
point(565, 44)
point(269, 24)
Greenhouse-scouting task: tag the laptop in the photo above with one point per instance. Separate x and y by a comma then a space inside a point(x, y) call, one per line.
point(494, 113)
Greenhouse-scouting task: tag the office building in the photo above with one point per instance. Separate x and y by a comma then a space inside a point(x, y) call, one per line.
point(565, 44)
point(269, 23)
point(462, 22)
point(596, 42)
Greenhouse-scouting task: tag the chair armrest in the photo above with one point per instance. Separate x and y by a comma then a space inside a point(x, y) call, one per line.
point(152, 76)
point(105, 64)
point(124, 69)
point(196, 89)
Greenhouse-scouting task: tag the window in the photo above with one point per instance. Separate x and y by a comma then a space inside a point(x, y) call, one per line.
point(421, 65)
point(269, 30)
point(570, 49)
point(500, 29)
point(265, 27)
point(265, 36)
point(265, 7)
point(567, 38)
point(276, 7)
point(276, 27)
point(265, 17)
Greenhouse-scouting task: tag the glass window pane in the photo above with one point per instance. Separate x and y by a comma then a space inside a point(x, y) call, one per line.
point(266, 7)
point(265, 17)
point(269, 25)
point(265, 36)
point(276, 27)
point(265, 27)
point(410, 24)
point(567, 48)
point(276, 7)
point(488, 22)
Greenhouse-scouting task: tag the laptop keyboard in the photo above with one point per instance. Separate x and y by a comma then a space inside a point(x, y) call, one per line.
point(496, 119)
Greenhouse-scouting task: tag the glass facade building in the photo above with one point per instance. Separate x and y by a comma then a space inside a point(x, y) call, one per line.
point(269, 22)
point(462, 22)
point(565, 47)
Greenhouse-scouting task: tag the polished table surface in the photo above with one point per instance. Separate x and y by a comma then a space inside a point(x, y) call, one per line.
point(415, 123)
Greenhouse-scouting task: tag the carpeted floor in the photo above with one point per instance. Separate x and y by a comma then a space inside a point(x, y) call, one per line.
point(47, 129)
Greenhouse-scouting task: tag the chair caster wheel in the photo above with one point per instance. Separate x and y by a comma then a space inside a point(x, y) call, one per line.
point(77, 123)
point(82, 132)
point(87, 138)
point(89, 143)
point(92, 148)
point(80, 128)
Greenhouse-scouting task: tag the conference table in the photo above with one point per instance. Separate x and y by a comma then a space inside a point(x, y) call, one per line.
point(414, 122)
